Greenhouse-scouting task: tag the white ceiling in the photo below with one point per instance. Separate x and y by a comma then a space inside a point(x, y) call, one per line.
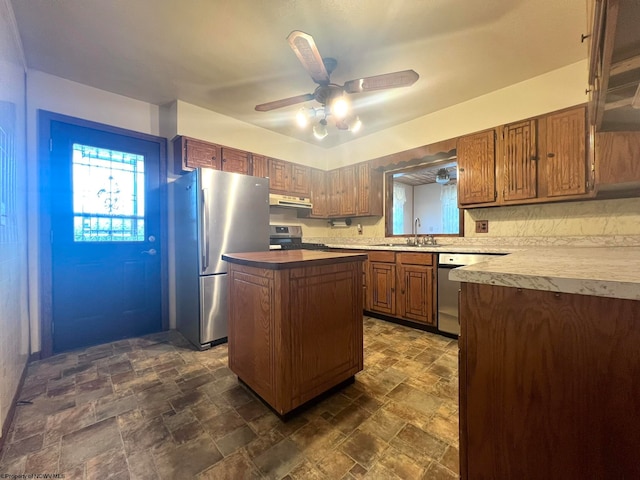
point(229, 55)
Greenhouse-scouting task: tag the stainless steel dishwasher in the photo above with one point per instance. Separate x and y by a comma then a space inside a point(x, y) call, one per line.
point(448, 322)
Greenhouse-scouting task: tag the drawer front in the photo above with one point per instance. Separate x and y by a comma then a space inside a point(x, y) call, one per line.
point(382, 256)
point(407, 258)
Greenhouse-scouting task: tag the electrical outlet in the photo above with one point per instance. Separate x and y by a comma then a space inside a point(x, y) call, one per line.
point(482, 226)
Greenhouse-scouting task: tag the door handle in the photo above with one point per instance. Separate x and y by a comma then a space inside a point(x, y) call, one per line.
point(151, 251)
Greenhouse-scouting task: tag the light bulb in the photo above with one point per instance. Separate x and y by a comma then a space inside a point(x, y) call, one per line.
point(320, 130)
point(302, 118)
point(340, 107)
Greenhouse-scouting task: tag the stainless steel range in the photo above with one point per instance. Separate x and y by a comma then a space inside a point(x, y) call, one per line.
point(289, 237)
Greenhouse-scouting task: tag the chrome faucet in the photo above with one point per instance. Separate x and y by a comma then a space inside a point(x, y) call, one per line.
point(416, 225)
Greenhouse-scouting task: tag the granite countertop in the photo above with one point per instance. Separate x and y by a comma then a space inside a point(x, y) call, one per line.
point(601, 271)
point(443, 248)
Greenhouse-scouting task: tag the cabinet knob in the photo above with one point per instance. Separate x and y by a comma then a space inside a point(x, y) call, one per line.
point(461, 169)
point(551, 155)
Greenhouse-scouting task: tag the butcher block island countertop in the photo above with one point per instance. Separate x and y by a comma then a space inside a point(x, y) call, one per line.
point(295, 323)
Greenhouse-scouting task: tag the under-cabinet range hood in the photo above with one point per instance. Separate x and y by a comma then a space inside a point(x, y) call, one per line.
point(276, 200)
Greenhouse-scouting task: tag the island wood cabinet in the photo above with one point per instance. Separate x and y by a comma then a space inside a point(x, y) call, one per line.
point(549, 385)
point(402, 285)
point(536, 160)
point(295, 325)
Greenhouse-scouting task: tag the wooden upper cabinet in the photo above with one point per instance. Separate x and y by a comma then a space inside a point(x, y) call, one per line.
point(300, 180)
point(318, 194)
point(259, 165)
point(520, 167)
point(190, 153)
point(369, 190)
point(335, 194)
point(348, 188)
point(279, 175)
point(476, 168)
point(566, 155)
point(618, 161)
point(235, 160)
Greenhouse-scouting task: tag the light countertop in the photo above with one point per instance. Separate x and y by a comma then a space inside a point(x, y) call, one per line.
point(602, 266)
point(600, 271)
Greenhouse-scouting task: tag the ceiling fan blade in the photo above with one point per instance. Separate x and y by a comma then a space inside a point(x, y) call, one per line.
point(404, 78)
point(285, 102)
point(305, 49)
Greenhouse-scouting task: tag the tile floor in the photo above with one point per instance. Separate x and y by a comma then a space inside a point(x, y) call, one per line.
point(152, 407)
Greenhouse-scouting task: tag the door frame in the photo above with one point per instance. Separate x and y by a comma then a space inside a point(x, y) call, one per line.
point(45, 302)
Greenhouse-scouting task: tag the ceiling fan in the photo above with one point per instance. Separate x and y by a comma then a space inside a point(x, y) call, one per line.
point(320, 70)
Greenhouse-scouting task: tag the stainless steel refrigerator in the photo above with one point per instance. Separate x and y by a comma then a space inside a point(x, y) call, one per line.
point(215, 212)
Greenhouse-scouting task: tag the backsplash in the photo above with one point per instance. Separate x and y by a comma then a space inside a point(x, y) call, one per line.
point(596, 218)
point(589, 218)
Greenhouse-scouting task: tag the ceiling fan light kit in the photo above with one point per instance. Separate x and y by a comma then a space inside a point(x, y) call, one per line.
point(442, 176)
point(332, 97)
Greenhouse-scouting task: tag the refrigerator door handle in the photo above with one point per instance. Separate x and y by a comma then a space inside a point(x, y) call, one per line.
point(205, 229)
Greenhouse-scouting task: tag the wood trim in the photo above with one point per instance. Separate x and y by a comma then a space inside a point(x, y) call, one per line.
point(444, 147)
point(44, 244)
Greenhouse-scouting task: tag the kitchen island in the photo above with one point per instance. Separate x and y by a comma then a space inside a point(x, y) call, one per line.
point(550, 364)
point(295, 323)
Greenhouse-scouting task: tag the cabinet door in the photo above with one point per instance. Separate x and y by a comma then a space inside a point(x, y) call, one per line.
point(415, 296)
point(566, 153)
point(618, 158)
point(191, 154)
point(382, 287)
point(235, 160)
point(476, 168)
point(335, 196)
point(348, 186)
point(260, 166)
point(300, 179)
point(520, 168)
point(279, 175)
point(318, 194)
point(369, 191)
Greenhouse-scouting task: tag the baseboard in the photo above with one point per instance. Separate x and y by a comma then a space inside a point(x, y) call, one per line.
point(12, 409)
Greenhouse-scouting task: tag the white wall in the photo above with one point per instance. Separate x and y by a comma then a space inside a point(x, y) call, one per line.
point(14, 305)
point(427, 206)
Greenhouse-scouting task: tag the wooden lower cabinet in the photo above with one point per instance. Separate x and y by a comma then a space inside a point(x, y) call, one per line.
point(402, 285)
point(382, 284)
point(549, 385)
point(294, 333)
point(416, 283)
